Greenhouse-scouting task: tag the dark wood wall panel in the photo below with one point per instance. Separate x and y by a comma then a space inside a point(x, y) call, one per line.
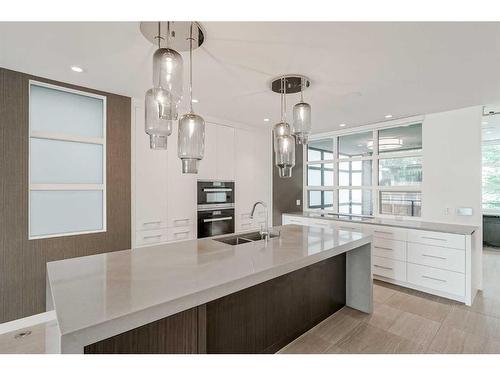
point(176, 334)
point(23, 262)
point(266, 317)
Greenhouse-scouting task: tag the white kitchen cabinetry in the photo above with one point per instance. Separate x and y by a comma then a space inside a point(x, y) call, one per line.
point(218, 162)
point(151, 181)
point(433, 262)
point(252, 174)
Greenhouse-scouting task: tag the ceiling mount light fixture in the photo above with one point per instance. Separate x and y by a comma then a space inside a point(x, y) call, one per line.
point(194, 100)
point(266, 120)
point(342, 125)
point(387, 144)
point(77, 69)
point(388, 116)
point(283, 140)
point(191, 141)
point(161, 102)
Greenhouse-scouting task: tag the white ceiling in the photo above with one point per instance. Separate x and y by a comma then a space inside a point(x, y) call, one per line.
point(359, 71)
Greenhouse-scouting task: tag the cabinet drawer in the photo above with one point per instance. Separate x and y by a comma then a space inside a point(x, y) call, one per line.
point(390, 268)
point(181, 222)
point(151, 237)
point(392, 249)
point(435, 256)
point(318, 223)
point(180, 234)
point(455, 241)
point(433, 278)
point(151, 224)
point(390, 233)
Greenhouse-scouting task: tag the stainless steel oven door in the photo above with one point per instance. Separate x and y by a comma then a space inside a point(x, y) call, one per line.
point(215, 222)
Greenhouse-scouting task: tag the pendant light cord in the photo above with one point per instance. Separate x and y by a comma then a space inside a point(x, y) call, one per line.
point(284, 100)
point(302, 89)
point(159, 35)
point(191, 67)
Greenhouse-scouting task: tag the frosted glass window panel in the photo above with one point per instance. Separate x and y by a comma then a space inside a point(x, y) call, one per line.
point(60, 212)
point(63, 162)
point(321, 149)
point(58, 111)
point(400, 171)
point(401, 203)
point(320, 200)
point(401, 138)
point(320, 175)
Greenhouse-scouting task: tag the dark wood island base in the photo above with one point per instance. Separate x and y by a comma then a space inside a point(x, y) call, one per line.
point(260, 319)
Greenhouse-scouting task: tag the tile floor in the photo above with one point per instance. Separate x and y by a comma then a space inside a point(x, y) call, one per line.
point(408, 321)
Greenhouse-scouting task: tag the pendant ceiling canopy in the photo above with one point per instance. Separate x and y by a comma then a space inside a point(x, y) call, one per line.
point(177, 32)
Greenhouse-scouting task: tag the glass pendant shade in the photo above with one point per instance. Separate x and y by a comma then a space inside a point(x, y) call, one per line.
point(191, 142)
point(284, 155)
point(156, 125)
point(280, 129)
point(302, 122)
point(167, 72)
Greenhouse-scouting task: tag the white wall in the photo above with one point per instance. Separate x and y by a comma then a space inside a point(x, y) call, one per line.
point(452, 166)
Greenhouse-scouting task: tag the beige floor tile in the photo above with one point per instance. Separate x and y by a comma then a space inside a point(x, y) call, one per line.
point(309, 343)
point(473, 322)
point(336, 327)
point(381, 293)
point(369, 339)
point(450, 340)
point(415, 328)
point(485, 305)
point(383, 316)
point(423, 307)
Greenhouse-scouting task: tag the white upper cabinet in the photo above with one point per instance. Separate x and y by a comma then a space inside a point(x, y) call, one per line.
point(245, 175)
point(208, 165)
point(150, 180)
point(181, 196)
point(225, 153)
point(218, 162)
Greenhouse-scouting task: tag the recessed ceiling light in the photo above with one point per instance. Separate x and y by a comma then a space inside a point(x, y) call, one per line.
point(266, 120)
point(76, 69)
point(485, 122)
point(342, 125)
point(195, 100)
point(388, 116)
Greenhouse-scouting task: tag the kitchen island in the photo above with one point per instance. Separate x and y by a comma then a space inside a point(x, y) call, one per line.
point(205, 296)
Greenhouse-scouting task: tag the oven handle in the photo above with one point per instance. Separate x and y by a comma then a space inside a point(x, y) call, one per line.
point(217, 189)
point(218, 219)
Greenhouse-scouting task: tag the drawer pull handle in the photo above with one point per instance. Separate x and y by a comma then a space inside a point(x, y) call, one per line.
point(347, 228)
point(154, 236)
point(151, 222)
point(433, 278)
point(383, 248)
point(383, 232)
point(179, 234)
point(383, 267)
point(322, 224)
point(434, 238)
point(181, 220)
point(433, 256)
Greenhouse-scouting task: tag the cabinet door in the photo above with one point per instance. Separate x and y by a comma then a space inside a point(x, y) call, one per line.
point(150, 180)
point(263, 165)
point(245, 178)
point(225, 153)
point(181, 190)
point(208, 165)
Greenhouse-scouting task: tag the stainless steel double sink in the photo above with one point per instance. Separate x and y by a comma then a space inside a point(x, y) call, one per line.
point(244, 238)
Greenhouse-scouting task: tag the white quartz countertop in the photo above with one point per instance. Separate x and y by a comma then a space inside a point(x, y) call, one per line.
point(101, 295)
point(409, 224)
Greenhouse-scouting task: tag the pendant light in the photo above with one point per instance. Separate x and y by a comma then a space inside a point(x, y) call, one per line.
point(191, 140)
point(302, 118)
point(161, 101)
point(284, 142)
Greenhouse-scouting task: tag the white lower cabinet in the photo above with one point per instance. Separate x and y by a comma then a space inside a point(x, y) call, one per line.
point(437, 279)
point(181, 233)
point(151, 237)
point(389, 268)
point(433, 262)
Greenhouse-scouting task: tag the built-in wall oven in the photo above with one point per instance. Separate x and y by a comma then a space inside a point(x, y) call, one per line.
point(215, 208)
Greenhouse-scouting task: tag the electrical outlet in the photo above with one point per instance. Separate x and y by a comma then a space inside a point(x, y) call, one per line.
point(297, 202)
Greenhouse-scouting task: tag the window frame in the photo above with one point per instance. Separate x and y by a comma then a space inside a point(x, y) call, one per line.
point(68, 138)
point(375, 157)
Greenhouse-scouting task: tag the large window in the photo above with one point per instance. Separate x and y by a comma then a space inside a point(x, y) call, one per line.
point(376, 172)
point(67, 169)
point(491, 164)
